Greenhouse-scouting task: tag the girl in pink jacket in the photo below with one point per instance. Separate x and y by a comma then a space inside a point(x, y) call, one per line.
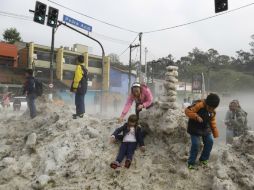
point(142, 96)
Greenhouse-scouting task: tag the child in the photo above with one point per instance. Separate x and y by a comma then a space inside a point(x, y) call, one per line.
point(202, 123)
point(130, 139)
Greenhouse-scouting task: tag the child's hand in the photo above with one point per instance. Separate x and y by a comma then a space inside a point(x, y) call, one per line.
point(140, 107)
point(199, 119)
point(142, 148)
point(120, 120)
point(112, 139)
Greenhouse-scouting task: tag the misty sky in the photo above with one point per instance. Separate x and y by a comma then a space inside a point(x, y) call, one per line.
point(227, 33)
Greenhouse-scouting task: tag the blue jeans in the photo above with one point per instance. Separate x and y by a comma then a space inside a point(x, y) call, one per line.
point(126, 149)
point(195, 144)
point(80, 103)
point(31, 104)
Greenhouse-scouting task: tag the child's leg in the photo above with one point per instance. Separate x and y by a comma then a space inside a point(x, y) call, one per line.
point(195, 143)
point(122, 152)
point(208, 145)
point(130, 150)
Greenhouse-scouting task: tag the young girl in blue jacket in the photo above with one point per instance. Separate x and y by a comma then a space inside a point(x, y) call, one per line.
point(131, 138)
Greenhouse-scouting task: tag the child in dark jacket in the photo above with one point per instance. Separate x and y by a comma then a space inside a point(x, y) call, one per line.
point(202, 123)
point(131, 137)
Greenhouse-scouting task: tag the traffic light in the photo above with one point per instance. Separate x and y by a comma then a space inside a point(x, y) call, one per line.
point(40, 12)
point(52, 17)
point(221, 5)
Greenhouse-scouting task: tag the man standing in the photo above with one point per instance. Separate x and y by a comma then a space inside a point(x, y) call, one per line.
point(29, 91)
point(79, 87)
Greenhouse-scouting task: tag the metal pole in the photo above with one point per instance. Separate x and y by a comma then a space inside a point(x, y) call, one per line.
point(146, 74)
point(27, 48)
point(62, 23)
point(208, 80)
point(51, 64)
point(140, 60)
point(102, 82)
point(152, 70)
point(129, 86)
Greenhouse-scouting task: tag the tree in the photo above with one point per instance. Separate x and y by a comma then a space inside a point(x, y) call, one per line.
point(11, 35)
point(223, 60)
point(252, 44)
point(212, 56)
point(114, 59)
point(243, 57)
point(198, 57)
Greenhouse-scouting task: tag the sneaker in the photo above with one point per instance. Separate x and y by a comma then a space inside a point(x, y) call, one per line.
point(204, 162)
point(75, 116)
point(191, 167)
point(115, 165)
point(127, 163)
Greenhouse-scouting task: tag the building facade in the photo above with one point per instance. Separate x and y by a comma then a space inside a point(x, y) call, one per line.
point(64, 64)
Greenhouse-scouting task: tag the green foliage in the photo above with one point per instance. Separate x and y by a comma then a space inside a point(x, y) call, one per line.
point(11, 35)
point(223, 72)
point(227, 80)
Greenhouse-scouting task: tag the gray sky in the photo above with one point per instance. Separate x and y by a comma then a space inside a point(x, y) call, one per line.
point(227, 33)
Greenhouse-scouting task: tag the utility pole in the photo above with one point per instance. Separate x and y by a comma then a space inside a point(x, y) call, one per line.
point(146, 74)
point(140, 60)
point(131, 46)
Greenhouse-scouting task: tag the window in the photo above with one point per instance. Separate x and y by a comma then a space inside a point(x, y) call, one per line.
point(68, 75)
point(70, 59)
point(44, 55)
point(92, 62)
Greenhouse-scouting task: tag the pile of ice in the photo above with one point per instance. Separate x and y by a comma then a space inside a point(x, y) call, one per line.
point(168, 99)
point(165, 116)
point(53, 151)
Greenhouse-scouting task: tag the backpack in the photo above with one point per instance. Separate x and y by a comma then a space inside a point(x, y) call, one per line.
point(84, 80)
point(38, 87)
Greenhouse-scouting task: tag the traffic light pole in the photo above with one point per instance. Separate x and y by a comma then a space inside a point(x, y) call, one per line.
point(51, 64)
point(52, 50)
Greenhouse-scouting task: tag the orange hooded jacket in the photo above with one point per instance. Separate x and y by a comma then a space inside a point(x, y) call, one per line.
point(192, 113)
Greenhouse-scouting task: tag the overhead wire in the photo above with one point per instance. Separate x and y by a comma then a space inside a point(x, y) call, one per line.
point(12, 15)
point(17, 15)
point(28, 18)
point(200, 20)
point(128, 47)
point(93, 18)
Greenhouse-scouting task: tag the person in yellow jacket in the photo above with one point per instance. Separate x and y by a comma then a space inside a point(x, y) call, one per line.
point(79, 87)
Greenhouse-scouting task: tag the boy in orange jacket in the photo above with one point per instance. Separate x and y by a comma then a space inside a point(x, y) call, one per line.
point(202, 123)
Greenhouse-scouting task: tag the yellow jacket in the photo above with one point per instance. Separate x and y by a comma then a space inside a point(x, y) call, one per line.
point(77, 77)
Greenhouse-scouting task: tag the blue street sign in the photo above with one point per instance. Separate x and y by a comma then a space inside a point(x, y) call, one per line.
point(77, 23)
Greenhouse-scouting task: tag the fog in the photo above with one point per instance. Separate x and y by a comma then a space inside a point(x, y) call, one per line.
point(111, 111)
